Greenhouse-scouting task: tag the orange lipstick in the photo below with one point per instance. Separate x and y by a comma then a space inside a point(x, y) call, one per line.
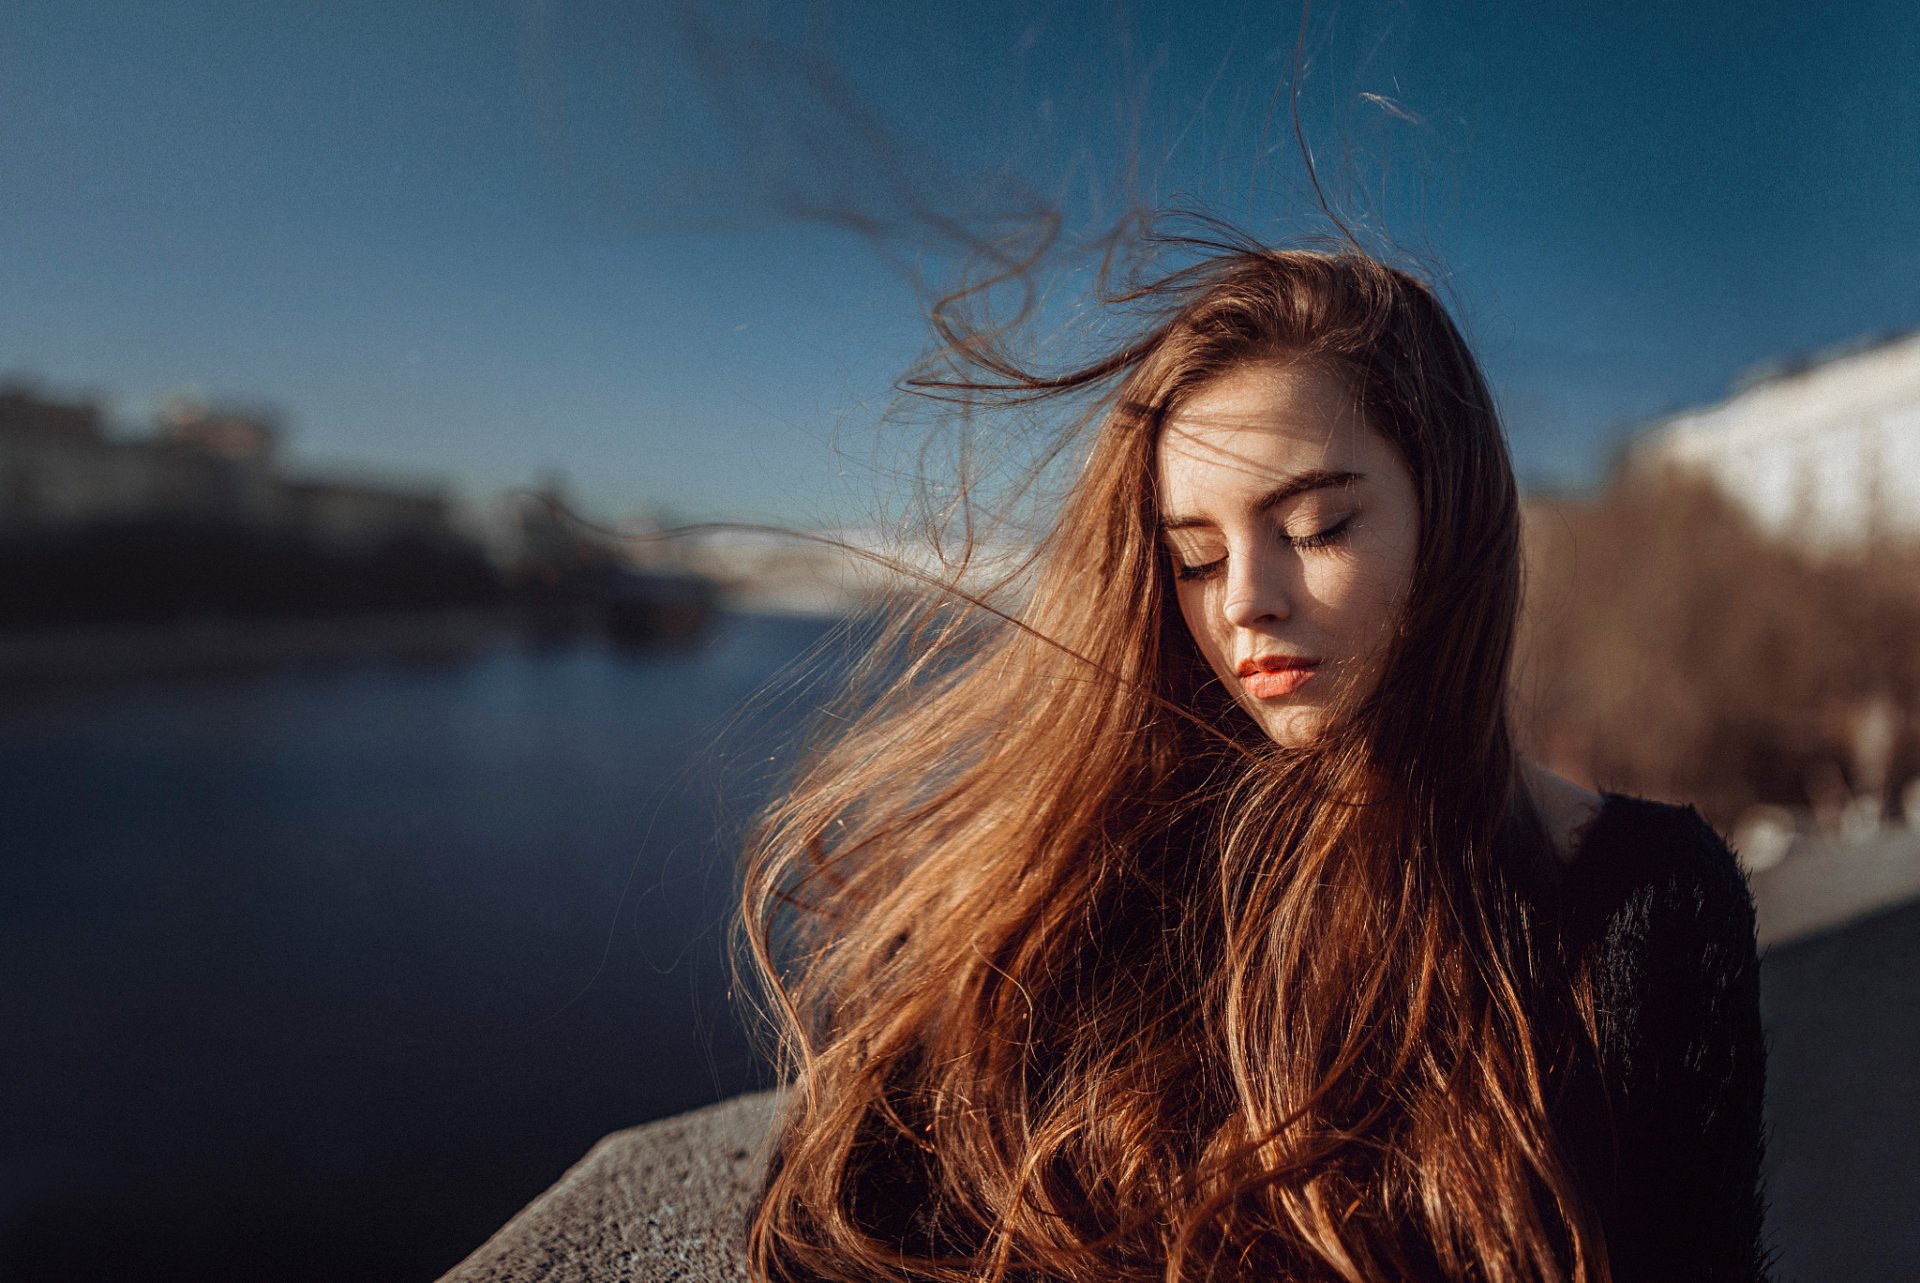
point(1276, 676)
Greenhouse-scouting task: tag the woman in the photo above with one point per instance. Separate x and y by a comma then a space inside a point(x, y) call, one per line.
point(1203, 922)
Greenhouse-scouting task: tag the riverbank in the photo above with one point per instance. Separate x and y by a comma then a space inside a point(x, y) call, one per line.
point(630, 611)
point(210, 647)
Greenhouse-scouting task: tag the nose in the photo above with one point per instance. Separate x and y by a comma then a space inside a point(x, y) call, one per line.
point(1257, 592)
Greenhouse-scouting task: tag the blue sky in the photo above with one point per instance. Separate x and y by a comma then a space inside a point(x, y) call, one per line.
point(480, 241)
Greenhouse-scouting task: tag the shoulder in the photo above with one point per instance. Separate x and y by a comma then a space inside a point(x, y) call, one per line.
point(1654, 860)
point(1666, 919)
point(668, 1200)
point(1660, 907)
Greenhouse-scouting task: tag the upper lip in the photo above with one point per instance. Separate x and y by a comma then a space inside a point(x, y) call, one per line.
point(1273, 664)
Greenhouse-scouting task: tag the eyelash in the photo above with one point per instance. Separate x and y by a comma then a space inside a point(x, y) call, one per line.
point(1302, 543)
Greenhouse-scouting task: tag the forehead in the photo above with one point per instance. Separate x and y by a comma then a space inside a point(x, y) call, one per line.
point(1261, 424)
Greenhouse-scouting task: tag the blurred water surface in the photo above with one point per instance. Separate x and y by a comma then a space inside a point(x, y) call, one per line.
point(324, 974)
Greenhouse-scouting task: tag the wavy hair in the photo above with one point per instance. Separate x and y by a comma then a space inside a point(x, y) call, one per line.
point(1078, 977)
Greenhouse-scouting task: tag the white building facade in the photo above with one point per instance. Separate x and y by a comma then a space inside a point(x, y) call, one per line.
point(1827, 452)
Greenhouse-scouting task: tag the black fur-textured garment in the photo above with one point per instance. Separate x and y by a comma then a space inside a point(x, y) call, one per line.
point(1670, 1149)
point(1668, 1142)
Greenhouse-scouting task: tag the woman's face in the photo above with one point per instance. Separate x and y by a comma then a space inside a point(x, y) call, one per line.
point(1292, 526)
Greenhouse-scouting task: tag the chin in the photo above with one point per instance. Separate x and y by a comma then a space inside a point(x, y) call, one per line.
point(1290, 728)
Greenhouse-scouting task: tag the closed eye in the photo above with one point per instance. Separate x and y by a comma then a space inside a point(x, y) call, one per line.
point(1205, 570)
point(1327, 538)
point(1324, 538)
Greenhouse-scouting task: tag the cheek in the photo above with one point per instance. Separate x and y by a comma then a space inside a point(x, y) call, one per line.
point(1203, 624)
point(1365, 596)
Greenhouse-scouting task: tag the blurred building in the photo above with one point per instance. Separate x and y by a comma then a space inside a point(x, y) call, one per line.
point(1825, 449)
point(60, 467)
point(773, 572)
point(832, 572)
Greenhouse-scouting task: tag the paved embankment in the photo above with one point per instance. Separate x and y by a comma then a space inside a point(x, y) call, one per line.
point(1826, 884)
point(1842, 1012)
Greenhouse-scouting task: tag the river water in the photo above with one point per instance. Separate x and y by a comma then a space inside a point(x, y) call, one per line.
point(323, 974)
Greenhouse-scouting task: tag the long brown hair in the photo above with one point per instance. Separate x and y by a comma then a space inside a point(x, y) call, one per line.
point(1077, 977)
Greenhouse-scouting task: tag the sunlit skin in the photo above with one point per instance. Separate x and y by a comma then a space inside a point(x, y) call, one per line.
point(1292, 526)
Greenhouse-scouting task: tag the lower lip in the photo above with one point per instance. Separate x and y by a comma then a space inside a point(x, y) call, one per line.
point(1276, 683)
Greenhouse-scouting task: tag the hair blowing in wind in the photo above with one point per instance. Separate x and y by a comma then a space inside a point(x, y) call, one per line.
point(1076, 975)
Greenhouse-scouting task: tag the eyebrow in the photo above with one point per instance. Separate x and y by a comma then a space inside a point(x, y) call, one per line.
point(1292, 488)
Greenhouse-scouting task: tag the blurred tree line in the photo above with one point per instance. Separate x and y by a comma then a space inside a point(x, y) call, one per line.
point(1670, 647)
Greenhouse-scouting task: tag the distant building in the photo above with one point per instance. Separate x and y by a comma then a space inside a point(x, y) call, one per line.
point(349, 512)
point(1825, 449)
point(58, 467)
point(252, 435)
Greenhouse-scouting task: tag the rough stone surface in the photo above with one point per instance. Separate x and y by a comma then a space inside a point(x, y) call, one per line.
point(663, 1203)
